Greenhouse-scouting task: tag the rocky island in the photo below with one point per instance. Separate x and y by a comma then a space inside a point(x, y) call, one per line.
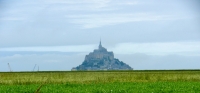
point(101, 59)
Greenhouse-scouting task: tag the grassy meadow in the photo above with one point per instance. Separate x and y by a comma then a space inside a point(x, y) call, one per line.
point(174, 81)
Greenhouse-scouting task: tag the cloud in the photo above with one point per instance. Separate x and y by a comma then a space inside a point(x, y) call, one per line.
point(164, 48)
point(86, 13)
point(89, 5)
point(12, 19)
point(72, 48)
point(99, 20)
point(86, 5)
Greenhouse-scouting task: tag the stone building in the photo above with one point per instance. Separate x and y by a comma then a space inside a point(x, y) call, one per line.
point(101, 59)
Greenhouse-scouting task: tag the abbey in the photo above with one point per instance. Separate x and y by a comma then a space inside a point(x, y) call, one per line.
point(101, 59)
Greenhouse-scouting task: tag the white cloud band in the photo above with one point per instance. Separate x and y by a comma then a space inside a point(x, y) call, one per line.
point(185, 48)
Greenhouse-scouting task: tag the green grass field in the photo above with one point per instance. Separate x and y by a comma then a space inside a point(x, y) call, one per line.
point(184, 81)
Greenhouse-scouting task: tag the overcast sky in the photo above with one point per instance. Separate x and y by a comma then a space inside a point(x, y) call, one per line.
point(57, 34)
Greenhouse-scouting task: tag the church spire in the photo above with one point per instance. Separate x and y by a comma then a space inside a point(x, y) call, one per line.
point(100, 46)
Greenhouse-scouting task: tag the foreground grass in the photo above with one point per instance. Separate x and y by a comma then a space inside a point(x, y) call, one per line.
point(97, 77)
point(115, 87)
point(101, 82)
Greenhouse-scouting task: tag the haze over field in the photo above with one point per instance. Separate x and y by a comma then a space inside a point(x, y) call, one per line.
point(57, 34)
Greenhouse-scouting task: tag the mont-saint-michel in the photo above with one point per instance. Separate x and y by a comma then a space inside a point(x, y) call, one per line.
point(101, 59)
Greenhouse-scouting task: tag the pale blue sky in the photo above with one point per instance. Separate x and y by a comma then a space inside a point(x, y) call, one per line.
point(57, 34)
